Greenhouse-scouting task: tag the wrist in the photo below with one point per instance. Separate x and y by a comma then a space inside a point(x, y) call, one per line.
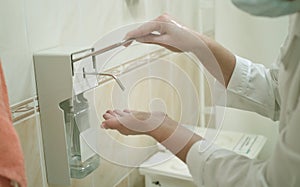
point(164, 131)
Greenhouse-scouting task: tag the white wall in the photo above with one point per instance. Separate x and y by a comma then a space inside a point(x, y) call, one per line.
point(258, 39)
point(28, 26)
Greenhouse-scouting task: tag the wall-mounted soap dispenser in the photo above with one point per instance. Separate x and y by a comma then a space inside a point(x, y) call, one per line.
point(63, 74)
point(76, 116)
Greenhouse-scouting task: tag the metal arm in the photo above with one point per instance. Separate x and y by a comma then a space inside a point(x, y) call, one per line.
point(106, 74)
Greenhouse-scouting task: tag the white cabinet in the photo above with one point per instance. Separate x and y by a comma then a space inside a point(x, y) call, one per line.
point(170, 173)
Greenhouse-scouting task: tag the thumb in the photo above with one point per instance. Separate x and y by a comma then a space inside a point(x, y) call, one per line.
point(110, 124)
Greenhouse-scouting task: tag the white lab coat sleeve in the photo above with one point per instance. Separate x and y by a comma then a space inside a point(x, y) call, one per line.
point(253, 87)
point(219, 167)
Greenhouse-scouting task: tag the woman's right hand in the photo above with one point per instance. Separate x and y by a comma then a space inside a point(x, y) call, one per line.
point(166, 32)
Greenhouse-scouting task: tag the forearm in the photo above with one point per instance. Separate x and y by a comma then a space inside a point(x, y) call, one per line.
point(182, 154)
point(219, 61)
point(175, 138)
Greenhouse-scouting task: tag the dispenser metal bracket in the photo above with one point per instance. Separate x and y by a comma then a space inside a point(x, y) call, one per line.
point(80, 55)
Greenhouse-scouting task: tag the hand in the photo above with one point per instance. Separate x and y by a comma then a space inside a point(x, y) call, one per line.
point(156, 124)
point(166, 32)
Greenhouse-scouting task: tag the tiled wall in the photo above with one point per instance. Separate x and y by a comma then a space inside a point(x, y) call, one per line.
point(28, 134)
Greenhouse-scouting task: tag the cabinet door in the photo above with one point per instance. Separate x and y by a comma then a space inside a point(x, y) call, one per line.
point(163, 181)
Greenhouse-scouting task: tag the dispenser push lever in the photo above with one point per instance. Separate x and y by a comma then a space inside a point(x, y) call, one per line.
point(105, 49)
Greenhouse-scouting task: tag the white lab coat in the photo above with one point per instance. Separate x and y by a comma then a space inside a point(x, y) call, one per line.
point(274, 93)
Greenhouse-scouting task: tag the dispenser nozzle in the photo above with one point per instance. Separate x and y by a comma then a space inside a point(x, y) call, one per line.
point(106, 74)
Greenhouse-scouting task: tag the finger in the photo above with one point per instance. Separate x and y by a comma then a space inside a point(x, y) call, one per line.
point(108, 116)
point(158, 40)
point(110, 124)
point(120, 113)
point(105, 124)
point(127, 110)
point(145, 29)
point(111, 113)
point(150, 38)
point(131, 111)
point(127, 44)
